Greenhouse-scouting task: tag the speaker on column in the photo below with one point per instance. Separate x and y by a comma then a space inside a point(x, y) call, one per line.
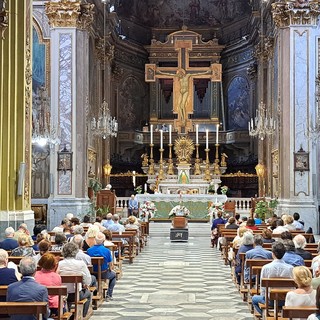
point(21, 174)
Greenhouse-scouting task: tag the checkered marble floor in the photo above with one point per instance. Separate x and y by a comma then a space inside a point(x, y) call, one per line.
point(175, 280)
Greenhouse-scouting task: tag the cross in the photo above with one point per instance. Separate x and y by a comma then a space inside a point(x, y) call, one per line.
point(183, 76)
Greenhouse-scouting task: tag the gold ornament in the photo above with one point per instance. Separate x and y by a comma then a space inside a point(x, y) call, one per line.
point(183, 148)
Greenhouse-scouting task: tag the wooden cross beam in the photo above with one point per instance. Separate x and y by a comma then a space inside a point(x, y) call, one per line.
point(183, 76)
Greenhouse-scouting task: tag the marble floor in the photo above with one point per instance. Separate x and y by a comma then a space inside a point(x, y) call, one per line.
point(175, 280)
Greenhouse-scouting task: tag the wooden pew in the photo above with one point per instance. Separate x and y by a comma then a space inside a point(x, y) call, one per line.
point(130, 247)
point(76, 279)
point(36, 308)
point(276, 295)
point(99, 298)
point(298, 312)
point(269, 283)
point(61, 292)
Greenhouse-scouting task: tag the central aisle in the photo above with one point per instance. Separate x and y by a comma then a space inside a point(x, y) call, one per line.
point(176, 280)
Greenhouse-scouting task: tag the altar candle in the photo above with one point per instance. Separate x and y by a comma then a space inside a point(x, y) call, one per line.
point(151, 133)
point(161, 139)
point(170, 129)
point(145, 188)
point(197, 134)
point(217, 133)
point(207, 138)
point(134, 178)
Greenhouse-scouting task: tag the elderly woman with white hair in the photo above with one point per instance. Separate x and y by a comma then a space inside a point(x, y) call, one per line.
point(7, 275)
point(246, 245)
point(89, 239)
point(300, 243)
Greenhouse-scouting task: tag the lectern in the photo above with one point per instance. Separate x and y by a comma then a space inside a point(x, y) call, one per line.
point(107, 198)
point(179, 230)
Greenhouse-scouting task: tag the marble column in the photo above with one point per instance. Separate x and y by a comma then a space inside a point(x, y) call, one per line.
point(297, 64)
point(69, 23)
point(15, 110)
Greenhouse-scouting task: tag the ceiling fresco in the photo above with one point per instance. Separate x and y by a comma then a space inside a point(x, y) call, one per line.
point(173, 13)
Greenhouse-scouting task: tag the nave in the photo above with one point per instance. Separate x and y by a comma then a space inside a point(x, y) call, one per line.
point(176, 280)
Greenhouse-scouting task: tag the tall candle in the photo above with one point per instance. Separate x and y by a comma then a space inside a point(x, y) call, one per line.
point(151, 133)
point(207, 138)
point(145, 188)
point(197, 133)
point(170, 129)
point(161, 139)
point(134, 178)
point(217, 134)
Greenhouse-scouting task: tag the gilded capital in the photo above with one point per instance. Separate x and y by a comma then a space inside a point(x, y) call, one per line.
point(295, 12)
point(70, 13)
point(3, 18)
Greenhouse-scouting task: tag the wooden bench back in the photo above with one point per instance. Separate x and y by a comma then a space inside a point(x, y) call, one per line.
point(298, 312)
point(37, 308)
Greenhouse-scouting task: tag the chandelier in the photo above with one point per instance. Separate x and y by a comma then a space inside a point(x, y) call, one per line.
point(262, 125)
point(43, 132)
point(104, 126)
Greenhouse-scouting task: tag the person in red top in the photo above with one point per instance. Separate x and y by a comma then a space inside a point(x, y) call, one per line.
point(47, 276)
point(251, 224)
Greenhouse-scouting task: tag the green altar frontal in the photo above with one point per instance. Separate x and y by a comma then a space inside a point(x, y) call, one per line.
point(197, 204)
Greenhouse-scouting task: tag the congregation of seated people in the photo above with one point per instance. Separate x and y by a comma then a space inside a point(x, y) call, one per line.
point(288, 252)
point(44, 258)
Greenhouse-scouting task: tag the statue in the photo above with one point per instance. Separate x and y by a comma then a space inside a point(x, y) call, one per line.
point(184, 79)
point(223, 160)
point(145, 161)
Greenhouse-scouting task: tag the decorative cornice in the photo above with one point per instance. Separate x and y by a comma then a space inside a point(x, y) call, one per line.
point(70, 13)
point(4, 21)
point(295, 12)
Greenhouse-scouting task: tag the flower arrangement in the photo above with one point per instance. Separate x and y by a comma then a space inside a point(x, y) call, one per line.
point(224, 189)
point(179, 211)
point(215, 207)
point(138, 189)
point(148, 209)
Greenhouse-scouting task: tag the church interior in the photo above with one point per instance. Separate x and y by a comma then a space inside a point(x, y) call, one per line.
point(167, 96)
point(181, 104)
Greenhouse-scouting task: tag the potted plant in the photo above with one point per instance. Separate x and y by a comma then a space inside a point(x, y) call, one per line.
point(265, 209)
point(94, 187)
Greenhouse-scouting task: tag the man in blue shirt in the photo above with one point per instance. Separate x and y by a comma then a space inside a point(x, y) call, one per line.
point(99, 250)
point(256, 253)
point(275, 269)
point(214, 229)
point(9, 243)
point(133, 205)
point(291, 257)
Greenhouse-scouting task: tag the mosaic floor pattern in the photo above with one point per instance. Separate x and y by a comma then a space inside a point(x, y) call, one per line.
point(175, 281)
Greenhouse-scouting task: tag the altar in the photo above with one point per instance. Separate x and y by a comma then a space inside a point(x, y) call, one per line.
point(196, 203)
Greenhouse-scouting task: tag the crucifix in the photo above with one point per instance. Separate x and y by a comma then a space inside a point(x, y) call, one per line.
point(183, 76)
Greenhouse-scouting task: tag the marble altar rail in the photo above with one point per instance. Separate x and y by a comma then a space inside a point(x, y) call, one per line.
point(243, 205)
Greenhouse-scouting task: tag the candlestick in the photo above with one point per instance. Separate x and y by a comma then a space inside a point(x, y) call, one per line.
point(170, 129)
point(161, 139)
point(217, 133)
point(207, 138)
point(197, 133)
point(151, 133)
